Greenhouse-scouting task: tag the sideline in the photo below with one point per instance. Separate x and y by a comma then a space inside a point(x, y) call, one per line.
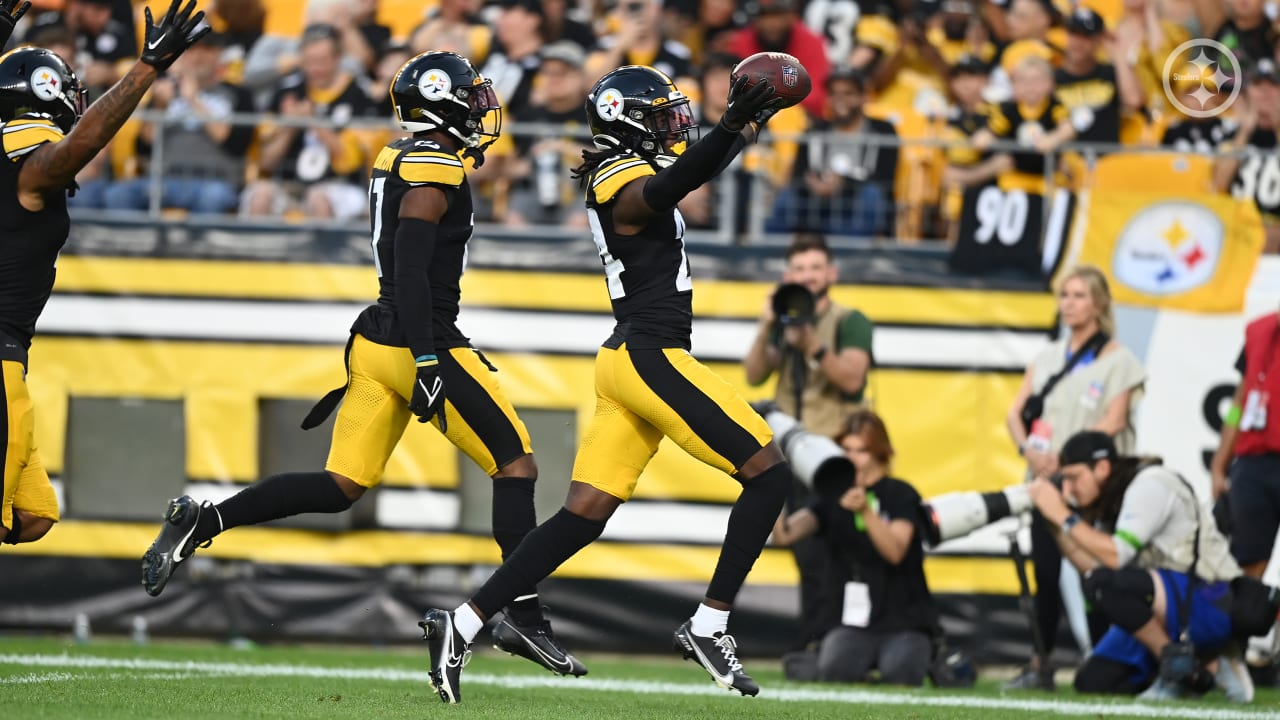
point(192, 669)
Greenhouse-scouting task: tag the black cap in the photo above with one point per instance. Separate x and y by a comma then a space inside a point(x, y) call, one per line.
point(533, 6)
point(968, 64)
point(765, 7)
point(1087, 447)
point(1265, 69)
point(847, 74)
point(718, 61)
point(1084, 21)
point(215, 39)
point(320, 31)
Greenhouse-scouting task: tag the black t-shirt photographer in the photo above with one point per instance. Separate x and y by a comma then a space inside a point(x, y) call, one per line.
point(875, 606)
point(900, 598)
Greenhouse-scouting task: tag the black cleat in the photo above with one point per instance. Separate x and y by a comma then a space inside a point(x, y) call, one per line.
point(718, 656)
point(449, 653)
point(173, 545)
point(537, 643)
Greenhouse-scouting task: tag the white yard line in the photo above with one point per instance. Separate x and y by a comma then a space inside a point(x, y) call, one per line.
point(193, 669)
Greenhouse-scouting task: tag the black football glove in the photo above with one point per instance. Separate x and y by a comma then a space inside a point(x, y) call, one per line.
point(747, 104)
point(178, 30)
point(11, 11)
point(428, 393)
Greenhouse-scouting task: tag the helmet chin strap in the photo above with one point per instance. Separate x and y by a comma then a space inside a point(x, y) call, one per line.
point(476, 154)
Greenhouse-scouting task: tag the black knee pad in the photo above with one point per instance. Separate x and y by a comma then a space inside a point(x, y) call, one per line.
point(1124, 595)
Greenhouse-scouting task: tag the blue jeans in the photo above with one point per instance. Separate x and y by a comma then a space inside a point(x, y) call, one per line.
point(90, 195)
point(1209, 623)
point(864, 212)
point(191, 194)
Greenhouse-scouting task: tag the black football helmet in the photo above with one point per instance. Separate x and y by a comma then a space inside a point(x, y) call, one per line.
point(639, 108)
point(34, 80)
point(442, 91)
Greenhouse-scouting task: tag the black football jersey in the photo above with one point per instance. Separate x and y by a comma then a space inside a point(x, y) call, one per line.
point(1258, 176)
point(647, 273)
point(29, 241)
point(401, 165)
point(1013, 121)
point(1092, 101)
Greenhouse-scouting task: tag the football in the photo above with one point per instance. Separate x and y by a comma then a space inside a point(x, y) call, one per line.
point(788, 76)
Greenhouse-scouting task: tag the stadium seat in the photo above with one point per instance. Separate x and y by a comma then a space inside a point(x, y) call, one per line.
point(402, 16)
point(1166, 173)
point(285, 18)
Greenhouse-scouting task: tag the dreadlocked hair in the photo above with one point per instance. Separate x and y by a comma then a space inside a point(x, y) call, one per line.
point(1106, 510)
point(591, 160)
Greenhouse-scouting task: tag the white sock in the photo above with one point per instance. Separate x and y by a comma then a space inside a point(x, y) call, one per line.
point(467, 622)
point(708, 621)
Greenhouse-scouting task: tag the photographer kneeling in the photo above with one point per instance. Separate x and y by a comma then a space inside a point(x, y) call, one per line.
point(876, 599)
point(1159, 553)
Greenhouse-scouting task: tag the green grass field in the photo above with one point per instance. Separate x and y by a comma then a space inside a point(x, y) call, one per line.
point(51, 678)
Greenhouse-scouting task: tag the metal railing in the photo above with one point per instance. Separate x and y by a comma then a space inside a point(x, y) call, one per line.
point(745, 220)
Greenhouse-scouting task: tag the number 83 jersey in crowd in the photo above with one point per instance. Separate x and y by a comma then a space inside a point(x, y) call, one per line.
point(401, 165)
point(648, 272)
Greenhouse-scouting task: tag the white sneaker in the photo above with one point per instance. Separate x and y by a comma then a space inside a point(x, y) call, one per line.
point(1161, 691)
point(1263, 649)
point(1233, 677)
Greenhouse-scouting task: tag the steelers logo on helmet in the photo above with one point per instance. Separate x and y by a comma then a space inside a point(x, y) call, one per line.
point(435, 84)
point(609, 104)
point(46, 83)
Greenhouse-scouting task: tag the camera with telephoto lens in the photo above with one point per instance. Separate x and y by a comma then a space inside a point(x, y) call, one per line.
point(816, 460)
point(819, 463)
point(793, 304)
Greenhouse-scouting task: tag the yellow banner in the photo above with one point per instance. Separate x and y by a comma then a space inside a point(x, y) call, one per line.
point(1163, 244)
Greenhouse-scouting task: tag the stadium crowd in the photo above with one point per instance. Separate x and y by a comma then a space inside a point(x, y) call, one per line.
point(914, 100)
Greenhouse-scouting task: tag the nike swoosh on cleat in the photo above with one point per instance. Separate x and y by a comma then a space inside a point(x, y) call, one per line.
point(565, 664)
point(177, 555)
point(725, 680)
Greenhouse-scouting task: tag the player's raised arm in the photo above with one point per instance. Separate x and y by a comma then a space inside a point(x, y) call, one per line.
point(702, 160)
point(53, 166)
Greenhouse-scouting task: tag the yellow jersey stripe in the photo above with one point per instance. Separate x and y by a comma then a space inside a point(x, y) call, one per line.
point(607, 185)
point(21, 141)
point(431, 170)
point(418, 154)
point(611, 164)
point(28, 122)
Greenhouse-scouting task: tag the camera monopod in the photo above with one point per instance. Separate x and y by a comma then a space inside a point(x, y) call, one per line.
point(1027, 603)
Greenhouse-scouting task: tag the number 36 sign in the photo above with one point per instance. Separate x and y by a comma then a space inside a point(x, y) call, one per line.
point(1001, 230)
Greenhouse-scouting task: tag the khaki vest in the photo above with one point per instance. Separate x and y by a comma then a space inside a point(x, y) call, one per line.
point(825, 405)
